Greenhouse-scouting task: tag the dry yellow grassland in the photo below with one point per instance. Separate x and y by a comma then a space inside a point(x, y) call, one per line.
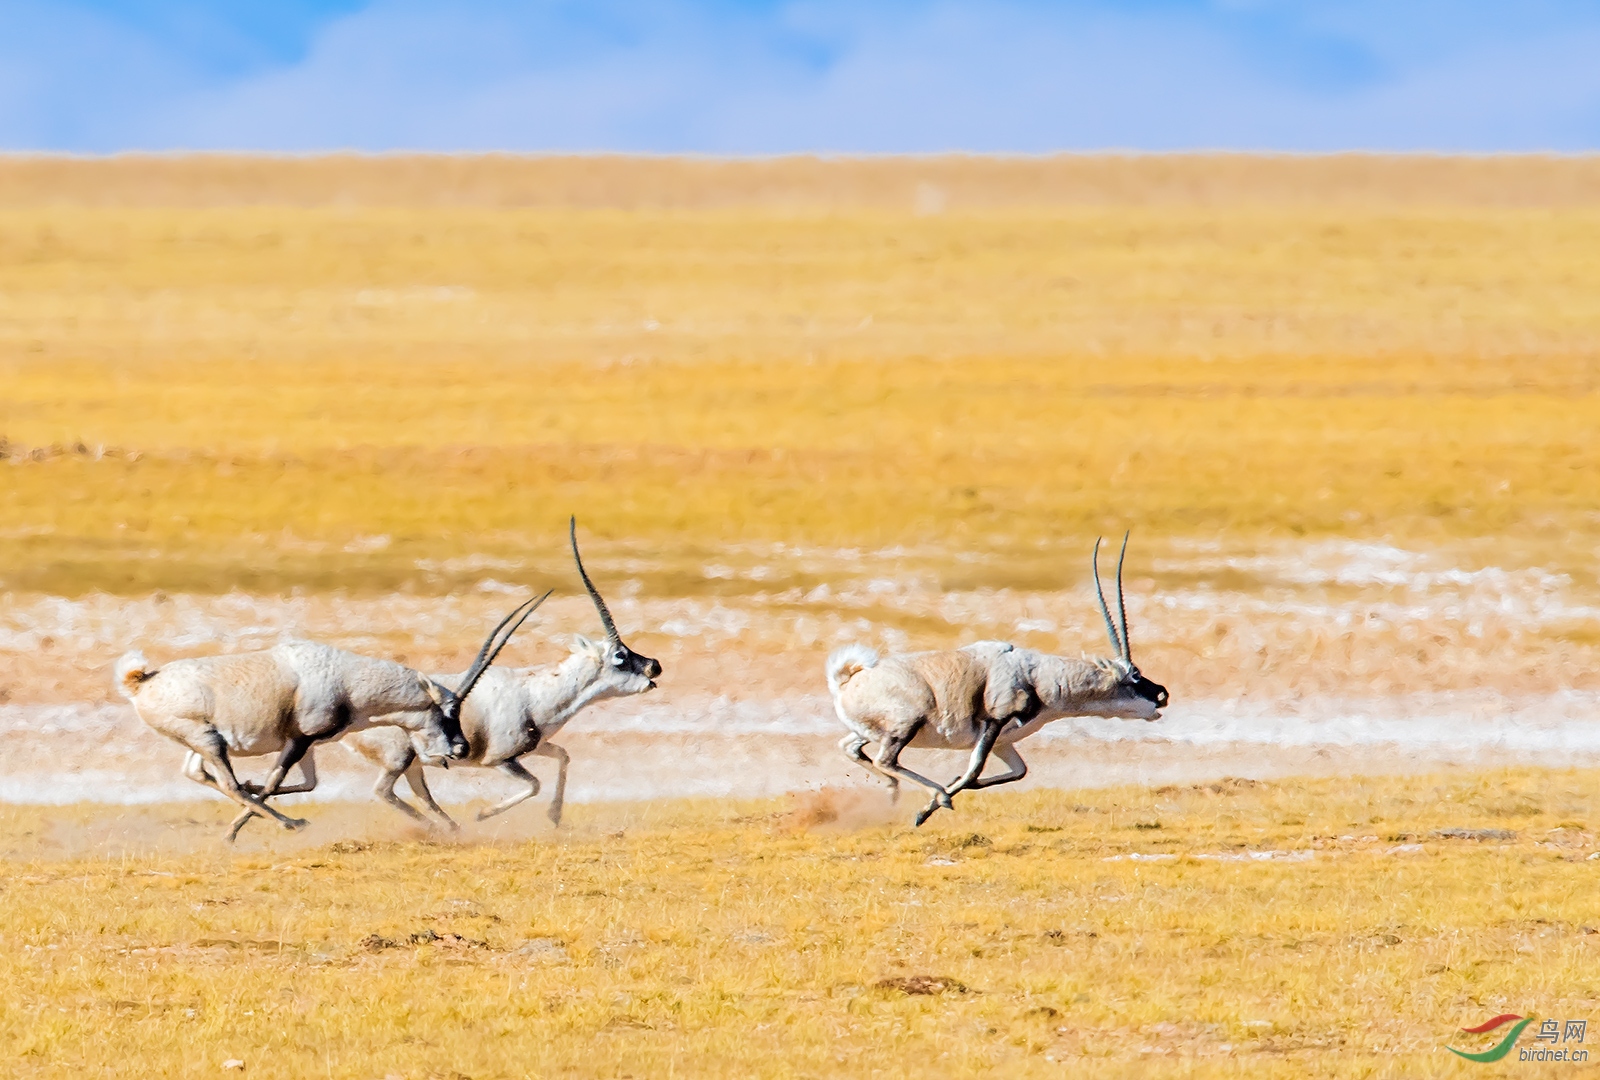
point(791, 403)
point(277, 385)
point(700, 939)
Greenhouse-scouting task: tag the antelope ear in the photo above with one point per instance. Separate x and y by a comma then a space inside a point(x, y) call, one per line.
point(583, 644)
point(430, 688)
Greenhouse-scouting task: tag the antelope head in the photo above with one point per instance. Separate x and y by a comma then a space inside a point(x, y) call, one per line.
point(1134, 696)
point(623, 670)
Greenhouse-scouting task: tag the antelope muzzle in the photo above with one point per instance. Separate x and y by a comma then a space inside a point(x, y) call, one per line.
point(1152, 692)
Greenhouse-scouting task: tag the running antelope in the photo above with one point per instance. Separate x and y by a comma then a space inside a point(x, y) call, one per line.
point(989, 695)
point(285, 699)
point(515, 713)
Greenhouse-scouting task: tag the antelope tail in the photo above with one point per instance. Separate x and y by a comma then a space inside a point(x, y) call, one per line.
point(845, 662)
point(132, 670)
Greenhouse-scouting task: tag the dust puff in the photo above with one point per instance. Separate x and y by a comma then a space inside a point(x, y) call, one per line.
point(836, 809)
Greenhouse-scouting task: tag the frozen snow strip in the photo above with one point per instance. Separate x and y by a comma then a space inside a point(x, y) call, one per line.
point(1568, 721)
point(1558, 724)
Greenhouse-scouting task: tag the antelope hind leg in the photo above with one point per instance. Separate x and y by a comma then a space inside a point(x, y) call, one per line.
point(194, 767)
point(419, 788)
point(854, 746)
point(384, 790)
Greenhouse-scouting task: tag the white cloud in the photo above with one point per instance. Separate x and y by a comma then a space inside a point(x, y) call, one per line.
point(717, 77)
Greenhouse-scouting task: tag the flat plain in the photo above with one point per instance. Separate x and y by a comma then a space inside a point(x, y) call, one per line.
point(325, 395)
point(1347, 407)
point(1328, 928)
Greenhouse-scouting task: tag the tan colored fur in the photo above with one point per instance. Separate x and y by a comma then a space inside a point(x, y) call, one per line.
point(279, 700)
point(987, 695)
point(514, 713)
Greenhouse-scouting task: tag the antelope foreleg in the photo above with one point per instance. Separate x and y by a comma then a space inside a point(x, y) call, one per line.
point(1007, 753)
point(308, 777)
point(221, 778)
point(514, 769)
point(292, 754)
point(551, 750)
point(980, 758)
point(887, 761)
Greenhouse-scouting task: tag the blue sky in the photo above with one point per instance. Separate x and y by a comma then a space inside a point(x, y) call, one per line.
point(760, 77)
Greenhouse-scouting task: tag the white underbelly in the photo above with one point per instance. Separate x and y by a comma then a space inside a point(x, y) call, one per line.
point(948, 736)
point(252, 744)
point(1017, 732)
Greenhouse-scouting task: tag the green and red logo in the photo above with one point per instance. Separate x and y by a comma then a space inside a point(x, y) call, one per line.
point(1501, 1048)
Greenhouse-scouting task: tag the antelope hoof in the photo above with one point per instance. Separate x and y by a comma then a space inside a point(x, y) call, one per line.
point(484, 815)
point(296, 823)
point(925, 813)
point(554, 814)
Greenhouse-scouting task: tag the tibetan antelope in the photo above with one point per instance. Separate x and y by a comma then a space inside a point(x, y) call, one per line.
point(285, 699)
point(986, 696)
point(516, 712)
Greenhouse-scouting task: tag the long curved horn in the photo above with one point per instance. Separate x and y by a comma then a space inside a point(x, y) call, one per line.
point(1122, 607)
point(491, 648)
point(594, 593)
point(1111, 628)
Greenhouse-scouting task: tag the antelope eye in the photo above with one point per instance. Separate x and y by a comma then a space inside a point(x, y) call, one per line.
point(619, 658)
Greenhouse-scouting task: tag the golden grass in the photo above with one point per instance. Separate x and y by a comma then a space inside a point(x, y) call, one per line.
point(402, 374)
point(703, 939)
point(899, 183)
point(457, 379)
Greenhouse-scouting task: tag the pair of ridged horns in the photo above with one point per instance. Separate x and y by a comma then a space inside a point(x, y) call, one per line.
point(495, 642)
point(1119, 642)
point(500, 636)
